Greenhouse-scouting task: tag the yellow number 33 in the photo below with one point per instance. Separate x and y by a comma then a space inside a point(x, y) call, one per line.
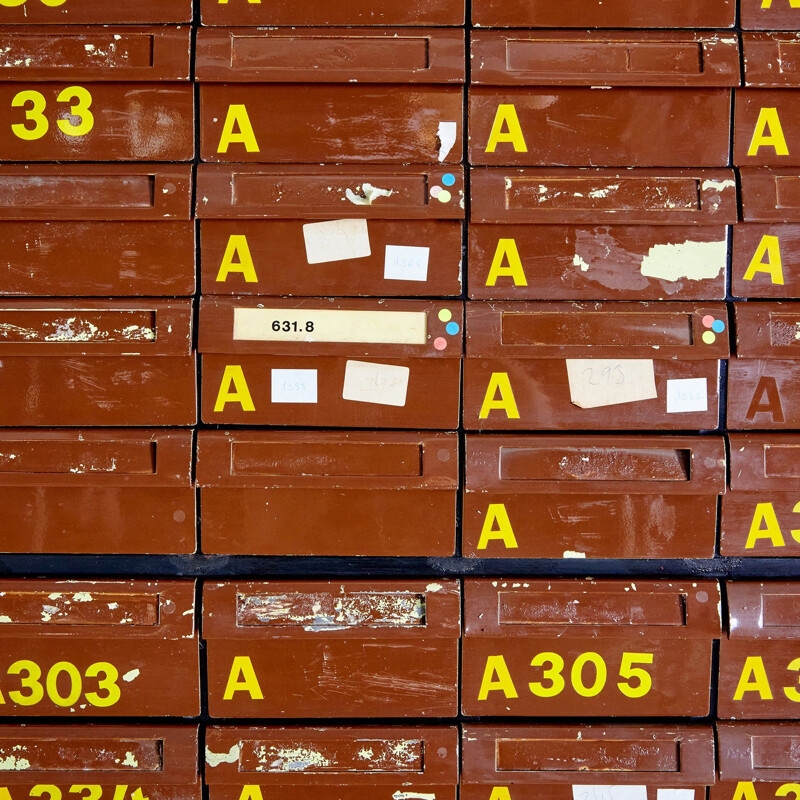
point(79, 123)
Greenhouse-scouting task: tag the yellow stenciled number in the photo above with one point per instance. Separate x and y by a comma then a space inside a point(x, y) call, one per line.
point(601, 674)
point(791, 691)
point(627, 670)
point(75, 684)
point(34, 114)
point(552, 674)
point(79, 108)
point(29, 681)
point(107, 683)
point(92, 791)
point(787, 789)
point(52, 792)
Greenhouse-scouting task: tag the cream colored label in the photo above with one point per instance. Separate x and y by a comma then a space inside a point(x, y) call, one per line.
point(596, 382)
point(330, 325)
point(687, 394)
point(367, 382)
point(609, 792)
point(337, 240)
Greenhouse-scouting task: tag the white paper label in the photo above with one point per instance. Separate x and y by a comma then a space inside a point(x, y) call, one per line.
point(384, 384)
point(333, 325)
point(406, 263)
point(675, 794)
point(447, 138)
point(596, 382)
point(609, 792)
point(338, 240)
point(687, 394)
point(294, 386)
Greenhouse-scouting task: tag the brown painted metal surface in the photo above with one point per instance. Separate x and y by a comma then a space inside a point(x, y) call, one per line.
point(626, 356)
point(322, 123)
point(328, 490)
point(763, 377)
point(333, 763)
point(274, 248)
point(97, 122)
point(769, 15)
point(571, 648)
point(766, 129)
point(312, 192)
point(758, 512)
point(592, 497)
point(604, 58)
point(763, 260)
point(565, 762)
point(93, 12)
point(97, 491)
point(362, 364)
point(85, 259)
point(586, 127)
point(770, 195)
point(757, 759)
point(95, 53)
point(323, 649)
point(609, 262)
point(98, 648)
point(103, 761)
point(771, 60)
point(604, 14)
point(95, 191)
point(325, 55)
point(597, 196)
point(96, 362)
point(321, 12)
point(758, 664)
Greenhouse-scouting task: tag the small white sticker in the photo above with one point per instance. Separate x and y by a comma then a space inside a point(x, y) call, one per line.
point(609, 792)
point(596, 382)
point(687, 394)
point(384, 384)
point(675, 794)
point(294, 386)
point(447, 138)
point(337, 240)
point(404, 263)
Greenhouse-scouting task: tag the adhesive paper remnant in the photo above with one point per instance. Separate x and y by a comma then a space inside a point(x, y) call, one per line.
point(675, 794)
point(294, 386)
point(596, 382)
point(403, 263)
point(447, 138)
point(368, 194)
point(215, 759)
point(687, 394)
point(337, 240)
point(367, 382)
point(697, 261)
point(609, 792)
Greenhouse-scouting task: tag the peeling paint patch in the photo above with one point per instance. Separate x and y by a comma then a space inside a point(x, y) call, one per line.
point(696, 261)
point(10, 763)
point(368, 194)
point(414, 796)
point(131, 676)
point(574, 554)
point(215, 759)
point(718, 185)
point(579, 262)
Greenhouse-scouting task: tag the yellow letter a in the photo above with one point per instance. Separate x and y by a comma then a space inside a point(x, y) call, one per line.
point(506, 248)
point(753, 667)
point(771, 247)
point(768, 133)
point(238, 116)
point(764, 513)
point(499, 382)
point(496, 665)
point(234, 377)
point(496, 513)
point(251, 793)
point(242, 678)
point(745, 791)
point(237, 248)
point(500, 793)
point(506, 115)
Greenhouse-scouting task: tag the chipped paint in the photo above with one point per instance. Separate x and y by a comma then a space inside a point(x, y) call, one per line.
point(132, 675)
point(215, 759)
point(12, 763)
point(718, 185)
point(574, 554)
point(295, 759)
point(696, 261)
point(579, 262)
point(368, 194)
point(414, 796)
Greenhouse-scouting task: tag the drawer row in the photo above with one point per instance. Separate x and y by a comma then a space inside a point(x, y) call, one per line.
point(392, 648)
point(324, 123)
point(481, 762)
point(280, 493)
point(398, 364)
point(755, 14)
